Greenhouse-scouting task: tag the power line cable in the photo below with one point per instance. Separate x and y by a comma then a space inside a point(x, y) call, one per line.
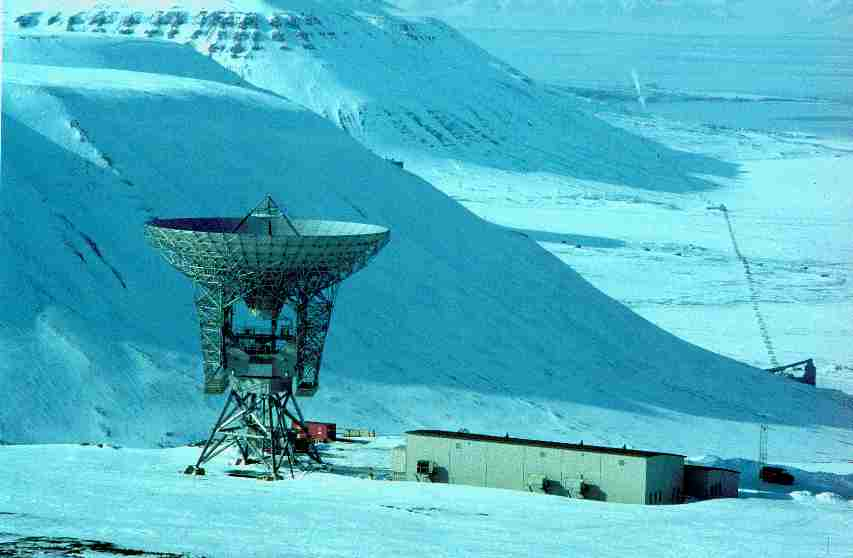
point(753, 290)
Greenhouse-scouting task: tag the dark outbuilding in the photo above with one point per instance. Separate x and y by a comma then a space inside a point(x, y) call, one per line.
point(705, 483)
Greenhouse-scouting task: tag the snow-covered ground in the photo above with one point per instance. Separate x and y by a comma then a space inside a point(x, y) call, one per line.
point(114, 115)
point(138, 500)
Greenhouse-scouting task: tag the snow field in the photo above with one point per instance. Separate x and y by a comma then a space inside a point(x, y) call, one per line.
point(458, 323)
point(138, 499)
point(669, 256)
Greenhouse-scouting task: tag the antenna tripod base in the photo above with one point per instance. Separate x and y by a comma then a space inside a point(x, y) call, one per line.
point(256, 423)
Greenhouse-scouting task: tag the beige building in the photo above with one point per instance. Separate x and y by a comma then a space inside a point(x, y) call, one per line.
point(574, 470)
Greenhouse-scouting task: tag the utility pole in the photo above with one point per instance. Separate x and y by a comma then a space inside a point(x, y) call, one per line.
point(762, 447)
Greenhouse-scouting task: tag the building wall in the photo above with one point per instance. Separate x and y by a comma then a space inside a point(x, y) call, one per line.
point(608, 477)
point(624, 477)
point(696, 482)
point(664, 479)
point(730, 483)
point(398, 463)
point(467, 463)
point(705, 483)
point(431, 449)
point(504, 467)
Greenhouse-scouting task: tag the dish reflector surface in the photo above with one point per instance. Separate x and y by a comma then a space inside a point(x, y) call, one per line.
point(221, 248)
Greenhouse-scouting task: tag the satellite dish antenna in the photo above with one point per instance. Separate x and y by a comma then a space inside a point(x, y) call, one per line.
point(269, 262)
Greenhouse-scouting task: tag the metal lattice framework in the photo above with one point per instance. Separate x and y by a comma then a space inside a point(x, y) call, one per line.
point(297, 265)
point(268, 261)
point(256, 423)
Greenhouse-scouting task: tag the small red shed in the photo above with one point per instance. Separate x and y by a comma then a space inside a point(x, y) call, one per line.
point(317, 431)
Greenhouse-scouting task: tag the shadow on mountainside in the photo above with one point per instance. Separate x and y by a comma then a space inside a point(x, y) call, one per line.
point(454, 304)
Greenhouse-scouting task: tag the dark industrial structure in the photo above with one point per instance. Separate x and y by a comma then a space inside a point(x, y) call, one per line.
point(704, 483)
point(272, 264)
point(808, 368)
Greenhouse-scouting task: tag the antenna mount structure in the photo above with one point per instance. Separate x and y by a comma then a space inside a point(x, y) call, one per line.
point(269, 262)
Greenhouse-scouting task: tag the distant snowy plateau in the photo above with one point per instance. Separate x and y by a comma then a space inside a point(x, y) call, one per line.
point(520, 202)
point(669, 16)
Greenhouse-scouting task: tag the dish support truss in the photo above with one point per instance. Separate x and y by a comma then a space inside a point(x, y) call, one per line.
point(256, 422)
point(255, 416)
point(268, 261)
point(313, 311)
point(224, 274)
point(256, 413)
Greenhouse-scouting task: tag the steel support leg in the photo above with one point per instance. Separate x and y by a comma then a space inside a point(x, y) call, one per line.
point(256, 423)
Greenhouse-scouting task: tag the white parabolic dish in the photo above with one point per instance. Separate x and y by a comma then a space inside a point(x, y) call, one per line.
point(223, 248)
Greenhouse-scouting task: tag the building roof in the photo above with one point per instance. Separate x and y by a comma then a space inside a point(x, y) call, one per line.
point(537, 443)
point(706, 468)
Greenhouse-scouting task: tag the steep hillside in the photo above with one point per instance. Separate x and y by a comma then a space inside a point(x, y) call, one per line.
point(410, 89)
point(458, 323)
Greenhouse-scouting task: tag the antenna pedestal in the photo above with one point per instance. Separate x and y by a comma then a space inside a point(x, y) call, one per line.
point(269, 262)
point(256, 423)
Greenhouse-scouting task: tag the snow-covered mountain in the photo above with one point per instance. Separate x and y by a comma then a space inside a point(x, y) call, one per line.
point(411, 89)
point(719, 16)
point(112, 116)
